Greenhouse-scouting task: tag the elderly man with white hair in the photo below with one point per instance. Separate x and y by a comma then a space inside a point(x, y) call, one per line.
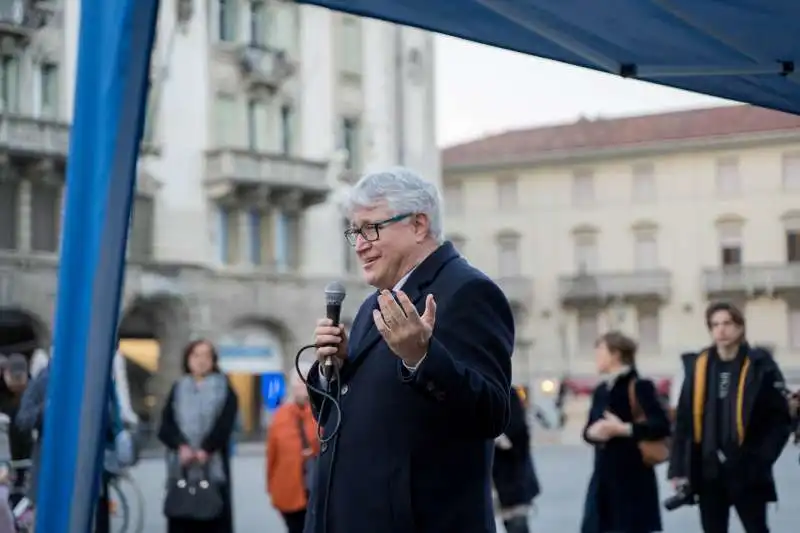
point(423, 376)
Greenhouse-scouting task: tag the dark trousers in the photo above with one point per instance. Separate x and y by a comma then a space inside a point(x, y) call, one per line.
point(102, 515)
point(295, 522)
point(715, 511)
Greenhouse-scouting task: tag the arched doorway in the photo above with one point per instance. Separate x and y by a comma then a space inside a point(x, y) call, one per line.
point(152, 334)
point(252, 355)
point(21, 332)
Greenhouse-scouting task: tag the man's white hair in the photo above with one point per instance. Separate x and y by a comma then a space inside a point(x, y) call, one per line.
point(403, 191)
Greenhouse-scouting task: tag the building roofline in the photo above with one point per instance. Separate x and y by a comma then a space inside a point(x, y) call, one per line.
point(642, 150)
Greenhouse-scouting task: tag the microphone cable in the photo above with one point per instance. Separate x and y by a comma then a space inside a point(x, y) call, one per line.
point(335, 407)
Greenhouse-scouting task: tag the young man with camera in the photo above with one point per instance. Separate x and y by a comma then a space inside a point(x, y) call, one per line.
point(732, 423)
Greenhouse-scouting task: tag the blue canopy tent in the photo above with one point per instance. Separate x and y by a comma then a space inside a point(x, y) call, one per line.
point(743, 50)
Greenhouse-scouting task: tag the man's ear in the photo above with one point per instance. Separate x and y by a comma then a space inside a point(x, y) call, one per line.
point(422, 225)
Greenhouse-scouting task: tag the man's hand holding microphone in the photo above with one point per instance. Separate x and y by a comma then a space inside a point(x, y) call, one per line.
point(331, 342)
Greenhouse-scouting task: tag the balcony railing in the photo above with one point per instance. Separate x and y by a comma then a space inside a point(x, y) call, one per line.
point(602, 287)
point(752, 279)
point(274, 172)
point(32, 136)
point(22, 17)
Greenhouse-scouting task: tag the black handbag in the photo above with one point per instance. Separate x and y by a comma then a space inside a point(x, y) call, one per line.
point(193, 496)
point(309, 461)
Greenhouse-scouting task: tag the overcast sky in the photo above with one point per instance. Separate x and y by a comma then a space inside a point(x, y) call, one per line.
point(483, 90)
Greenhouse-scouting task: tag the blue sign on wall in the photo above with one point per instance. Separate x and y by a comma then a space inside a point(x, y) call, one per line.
point(273, 388)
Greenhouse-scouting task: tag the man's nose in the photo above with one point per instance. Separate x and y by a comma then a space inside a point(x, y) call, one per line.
point(362, 244)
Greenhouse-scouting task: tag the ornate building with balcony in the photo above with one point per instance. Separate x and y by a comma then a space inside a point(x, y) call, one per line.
point(260, 113)
point(635, 223)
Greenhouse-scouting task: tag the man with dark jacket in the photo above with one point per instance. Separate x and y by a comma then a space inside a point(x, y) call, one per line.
point(424, 378)
point(732, 423)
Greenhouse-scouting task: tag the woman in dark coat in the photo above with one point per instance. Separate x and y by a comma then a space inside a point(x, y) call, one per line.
point(623, 492)
point(512, 471)
point(196, 427)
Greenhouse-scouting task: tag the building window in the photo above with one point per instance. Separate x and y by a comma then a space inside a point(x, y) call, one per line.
point(45, 219)
point(730, 244)
point(521, 367)
point(226, 126)
point(454, 198)
point(148, 130)
point(794, 328)
point(583, 192)
point(350, 45)
point(9, 213)
point(261, 242)
point(791, 172)
point(229, 236)
point(349, 251)
point(49, 93)
point(644, 183)
point(351, 142)
point(507, 193)
point(793, 246)
point(257, 125)
point(646, 250)
point(588, 331)
point(508, 255)
point(728, 177)
point(288, 121)
point(294, 239)
point(648, 328)
point(586, 259)
point(228, 20)
point(259, 23)
point(141, 233)
point(9, 84)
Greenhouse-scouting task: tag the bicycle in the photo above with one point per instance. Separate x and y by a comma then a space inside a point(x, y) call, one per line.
point(127, 514)
point(22, 507)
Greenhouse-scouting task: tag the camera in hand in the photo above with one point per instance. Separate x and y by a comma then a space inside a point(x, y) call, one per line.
point(683, 496)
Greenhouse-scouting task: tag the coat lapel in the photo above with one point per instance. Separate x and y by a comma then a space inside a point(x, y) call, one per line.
point(420, 279)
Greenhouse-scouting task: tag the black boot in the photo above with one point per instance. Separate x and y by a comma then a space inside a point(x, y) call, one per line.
point(518, 524)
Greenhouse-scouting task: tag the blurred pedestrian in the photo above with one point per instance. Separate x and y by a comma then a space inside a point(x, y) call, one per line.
point(513, 474)
point(292, 448)
point(196, 427)
point(732, 424)
point(15, 378)
point(625, 413)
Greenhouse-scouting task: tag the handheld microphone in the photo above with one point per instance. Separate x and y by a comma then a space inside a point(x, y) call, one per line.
point(334, 296)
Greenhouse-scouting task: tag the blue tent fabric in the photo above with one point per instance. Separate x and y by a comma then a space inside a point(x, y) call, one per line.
point(114, 45)
point(744, 50)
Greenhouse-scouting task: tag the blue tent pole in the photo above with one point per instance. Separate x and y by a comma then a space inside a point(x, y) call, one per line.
point(115, 40)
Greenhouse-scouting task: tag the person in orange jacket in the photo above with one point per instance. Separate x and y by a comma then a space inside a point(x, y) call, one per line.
point(292, 447)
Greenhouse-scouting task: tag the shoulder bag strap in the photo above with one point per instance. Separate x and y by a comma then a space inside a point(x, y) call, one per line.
point(636, 410)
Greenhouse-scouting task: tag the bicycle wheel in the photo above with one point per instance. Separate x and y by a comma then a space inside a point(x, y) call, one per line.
point(118, 508)
point(133, 498)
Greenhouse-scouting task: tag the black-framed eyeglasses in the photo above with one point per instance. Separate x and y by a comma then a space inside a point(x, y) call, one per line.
point(371, 232)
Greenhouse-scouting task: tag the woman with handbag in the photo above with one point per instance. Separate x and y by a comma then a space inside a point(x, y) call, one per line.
point(292, 446)
point(196, 428)
point(628, 428)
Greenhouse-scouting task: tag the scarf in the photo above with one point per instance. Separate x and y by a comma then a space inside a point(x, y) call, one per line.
point(197, 405)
